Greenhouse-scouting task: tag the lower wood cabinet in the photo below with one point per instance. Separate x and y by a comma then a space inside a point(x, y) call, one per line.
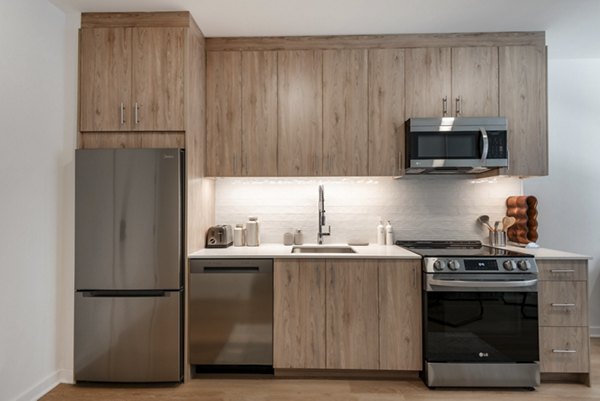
point(352, 314)
point(400, 315)
point(299, 314)
point(563, 318)
point(347, 314)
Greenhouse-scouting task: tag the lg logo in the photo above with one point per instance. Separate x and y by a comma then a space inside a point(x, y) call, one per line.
point(483, 354)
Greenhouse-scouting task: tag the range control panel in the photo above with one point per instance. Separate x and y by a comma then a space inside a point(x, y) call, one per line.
point(479, 265)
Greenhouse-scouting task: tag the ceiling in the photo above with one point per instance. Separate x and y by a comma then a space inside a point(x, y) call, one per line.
point(572, 26)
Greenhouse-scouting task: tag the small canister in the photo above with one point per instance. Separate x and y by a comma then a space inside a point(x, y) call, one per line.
point(288, 238)
point(238, 235)
point(298, 237)
point(498, 238)
point(252, 232)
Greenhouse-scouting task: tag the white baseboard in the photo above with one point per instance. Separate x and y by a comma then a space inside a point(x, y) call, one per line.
point(36, 391)
point(594, 331)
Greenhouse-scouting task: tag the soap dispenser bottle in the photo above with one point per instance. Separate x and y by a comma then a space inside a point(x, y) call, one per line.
point(380, 233)
point(389, 234)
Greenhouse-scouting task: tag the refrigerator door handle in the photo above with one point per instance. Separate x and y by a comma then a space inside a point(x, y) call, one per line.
point(125, 293)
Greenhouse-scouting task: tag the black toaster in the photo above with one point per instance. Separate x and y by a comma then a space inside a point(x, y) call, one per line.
point(219, 236)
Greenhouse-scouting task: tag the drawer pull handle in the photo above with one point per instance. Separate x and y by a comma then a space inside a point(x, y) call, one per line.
point(562, 271)
point(564, 351)
point(563, 305)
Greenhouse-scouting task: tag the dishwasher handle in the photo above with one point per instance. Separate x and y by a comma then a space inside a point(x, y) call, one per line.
point(225, 266)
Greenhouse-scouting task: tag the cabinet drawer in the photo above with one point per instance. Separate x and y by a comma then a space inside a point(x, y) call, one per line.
point(564, 350)
point(562, 270)
point(563, 303)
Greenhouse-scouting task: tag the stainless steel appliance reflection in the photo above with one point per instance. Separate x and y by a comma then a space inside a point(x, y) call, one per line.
point(231, 313)
point(480, 315)
point(128, 265)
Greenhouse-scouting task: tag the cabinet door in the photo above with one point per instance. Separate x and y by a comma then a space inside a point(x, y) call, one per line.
point(400, 315)
point(345, 141)
point(299, 112)
point(158, 59)
point(563, 303)
point(564, 349)
point(475, 81)
point(299, 314)
point(352, 315)
point(223, 114)
point(386, 112)
point(523, 101)
point(104, 79)
point(259, 113)
point(427, 82)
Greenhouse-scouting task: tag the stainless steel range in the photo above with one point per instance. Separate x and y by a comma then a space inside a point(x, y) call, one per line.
point(480, 315)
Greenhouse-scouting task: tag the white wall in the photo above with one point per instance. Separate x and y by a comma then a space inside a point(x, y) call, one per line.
point(419, 207)
point(35, 152)
point(569, 198)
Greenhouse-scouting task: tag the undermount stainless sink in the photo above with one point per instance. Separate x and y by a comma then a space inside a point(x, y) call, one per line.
point(322, 249)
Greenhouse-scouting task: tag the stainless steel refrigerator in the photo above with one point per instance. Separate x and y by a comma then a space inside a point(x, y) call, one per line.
point(129, 265)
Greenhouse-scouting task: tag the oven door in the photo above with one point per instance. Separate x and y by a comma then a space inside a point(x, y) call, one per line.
point(480, 318)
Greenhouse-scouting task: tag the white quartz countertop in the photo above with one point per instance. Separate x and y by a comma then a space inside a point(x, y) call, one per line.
point(285, 251)
point(370, 251)
point(545, 253)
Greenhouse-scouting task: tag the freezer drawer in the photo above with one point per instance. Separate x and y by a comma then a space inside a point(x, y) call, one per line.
point(131, 337)
point(128, 219)
point(231, 312)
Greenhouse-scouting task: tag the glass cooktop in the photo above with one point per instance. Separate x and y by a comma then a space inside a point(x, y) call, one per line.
point(457, 248)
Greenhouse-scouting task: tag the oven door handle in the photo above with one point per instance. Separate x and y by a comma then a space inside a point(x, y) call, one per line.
point(482, 284)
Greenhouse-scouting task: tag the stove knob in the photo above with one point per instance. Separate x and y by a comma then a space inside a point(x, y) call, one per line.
point(453, 265)
point(438, 265)
point(509, 265)
point(524, 265)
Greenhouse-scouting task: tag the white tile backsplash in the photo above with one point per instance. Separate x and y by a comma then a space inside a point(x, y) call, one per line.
point(419, 207)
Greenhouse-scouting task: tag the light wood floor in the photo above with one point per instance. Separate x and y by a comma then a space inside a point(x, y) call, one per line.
point(269, 389)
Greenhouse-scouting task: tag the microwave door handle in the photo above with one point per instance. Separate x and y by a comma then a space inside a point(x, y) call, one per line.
point(486, 145)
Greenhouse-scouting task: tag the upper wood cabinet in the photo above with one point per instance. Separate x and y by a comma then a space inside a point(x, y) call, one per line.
point(131, 79)
point(345, 113)
point(338, 106)
point(259, 113)
point(105, 79)
point(523, 100)
point(223, 113)
point(427, 82)
point(386, 112)
point(459, 81)
point(300, 112)
point(474, 81)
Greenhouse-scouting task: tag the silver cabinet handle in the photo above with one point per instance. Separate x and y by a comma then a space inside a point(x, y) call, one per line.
point(400, 162)
point(445, 105)
point(234, 164)
point(458, 105)
point(137, 113)
point(564, 351)
point(122, 109)
point(486, 144)
point(562, 270)
point(563, 305)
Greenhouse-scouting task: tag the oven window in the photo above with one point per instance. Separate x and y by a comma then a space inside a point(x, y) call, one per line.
point(481, 327)
point(452, 145)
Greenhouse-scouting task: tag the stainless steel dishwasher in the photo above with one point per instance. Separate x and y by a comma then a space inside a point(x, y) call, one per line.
point(231, 312)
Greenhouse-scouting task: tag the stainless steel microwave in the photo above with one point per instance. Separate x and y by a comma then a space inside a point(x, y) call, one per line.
point(459, 145)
